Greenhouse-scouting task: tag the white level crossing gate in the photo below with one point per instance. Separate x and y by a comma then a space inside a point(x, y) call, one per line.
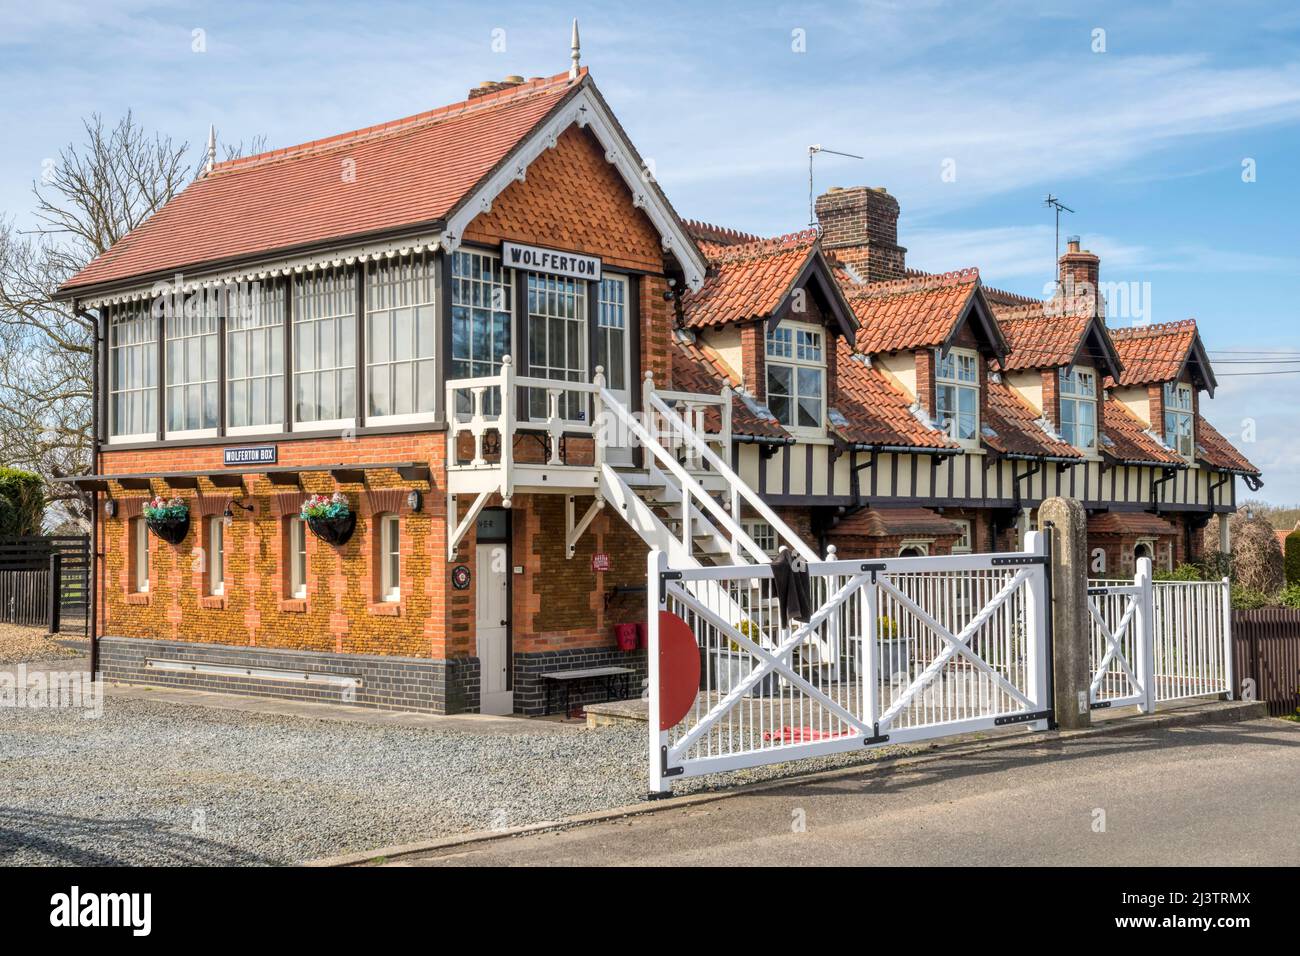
point(1155, 641)
point(897, 650)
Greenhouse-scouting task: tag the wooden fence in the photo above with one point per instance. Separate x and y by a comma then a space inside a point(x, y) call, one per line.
point(26, 565)
point(1266, 648)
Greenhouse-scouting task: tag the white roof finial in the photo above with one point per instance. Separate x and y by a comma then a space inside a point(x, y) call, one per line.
point(212, 148)
point(575, 52)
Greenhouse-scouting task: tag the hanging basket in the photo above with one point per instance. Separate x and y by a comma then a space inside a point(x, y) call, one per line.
point(335, 531)
point(171, 530)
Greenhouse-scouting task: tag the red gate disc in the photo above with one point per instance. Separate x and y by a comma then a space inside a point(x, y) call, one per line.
point(679, 670)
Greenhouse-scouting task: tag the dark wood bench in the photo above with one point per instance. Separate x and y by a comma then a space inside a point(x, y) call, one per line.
point(617, 680)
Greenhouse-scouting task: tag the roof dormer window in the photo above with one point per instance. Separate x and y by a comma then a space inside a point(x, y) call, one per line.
point(957, 394)
point(796, 374)
point(1179, 408)
point(1078, 393)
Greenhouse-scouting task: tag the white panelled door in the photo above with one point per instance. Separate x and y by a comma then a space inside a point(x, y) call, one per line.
point(491, 627)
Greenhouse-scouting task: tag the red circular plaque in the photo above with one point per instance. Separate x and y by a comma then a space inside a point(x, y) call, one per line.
point(679, 670)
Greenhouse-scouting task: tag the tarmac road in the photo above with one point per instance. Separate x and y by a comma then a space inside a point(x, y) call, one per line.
point(1210, 794)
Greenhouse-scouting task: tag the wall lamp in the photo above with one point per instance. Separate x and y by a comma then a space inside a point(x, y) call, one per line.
point(229, 517)
point(110, 508)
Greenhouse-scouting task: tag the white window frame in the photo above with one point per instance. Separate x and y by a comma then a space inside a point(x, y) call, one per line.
point(216, 557)
point(482, 290)
point(297, 559)
point(392, 286)
point(140, 554)
point(797, 346)
point(326, 296)
point(196, 327)
point(133, 335)
point(957, 359)
point(1180, 409)
point(390, 558)
point(551, 299)
point(612, 330)
point(255, 326)
point(967, 535)
point(920, 544)
point(1077, 389)
point(763, 535)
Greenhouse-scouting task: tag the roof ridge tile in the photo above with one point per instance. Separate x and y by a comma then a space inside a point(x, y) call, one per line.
point(921, 283)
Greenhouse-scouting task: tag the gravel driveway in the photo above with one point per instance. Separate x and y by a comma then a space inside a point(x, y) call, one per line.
point(19, 644)
point(163, 783)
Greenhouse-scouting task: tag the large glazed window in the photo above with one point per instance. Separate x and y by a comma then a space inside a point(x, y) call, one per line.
point(1079, 407)
point(192, 364)
point(557, 341)
point(796, 374)
point(1179, 432)
point(255, 358)
point(401, 326)
point(133, 373)
point(611, 331)
point(324, 347)
point(480, 320)
point(957, 394)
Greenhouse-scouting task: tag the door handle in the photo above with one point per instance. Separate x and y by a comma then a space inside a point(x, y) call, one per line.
point(503, 623)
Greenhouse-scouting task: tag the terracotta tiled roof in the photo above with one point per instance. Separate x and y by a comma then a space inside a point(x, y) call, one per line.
point(705, 233)
point(913, 313)
point(1129, 523)
point(748, 281)
point(1043, 334)
point(1125, 438)
point(895, 522)
point(1153, 353)
point(408, 172)
point(870, 410)
point(696, 370)
point(1217, 452)
point(1011, 427)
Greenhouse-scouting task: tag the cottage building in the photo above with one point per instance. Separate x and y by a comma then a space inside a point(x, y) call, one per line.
point(488, 332)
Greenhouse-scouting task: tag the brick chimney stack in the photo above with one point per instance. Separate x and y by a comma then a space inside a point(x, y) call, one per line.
point(860, 225)
point(494, 86)
point(1079, 266)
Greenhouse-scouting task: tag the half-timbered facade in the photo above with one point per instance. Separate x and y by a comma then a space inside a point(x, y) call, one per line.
point(486, 336)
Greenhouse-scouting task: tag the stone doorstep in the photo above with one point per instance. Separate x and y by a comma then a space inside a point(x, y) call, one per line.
point(1184, 713)
point(616, 713)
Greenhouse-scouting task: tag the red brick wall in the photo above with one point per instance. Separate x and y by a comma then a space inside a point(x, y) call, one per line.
point(1052, 396)
point(753, 350)
point(925, 380)
point(340, 613)
point(560, 602)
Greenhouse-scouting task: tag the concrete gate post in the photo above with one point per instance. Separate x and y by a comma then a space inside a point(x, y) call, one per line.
point(1071, 633)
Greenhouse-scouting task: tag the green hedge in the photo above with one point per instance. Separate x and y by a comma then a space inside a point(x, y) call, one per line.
point(1291, 557)
point(24, 493)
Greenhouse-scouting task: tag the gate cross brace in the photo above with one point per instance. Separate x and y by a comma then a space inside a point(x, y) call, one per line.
point(1113, 650)
point(770, 662)
point(957, 645)
point(573, 528)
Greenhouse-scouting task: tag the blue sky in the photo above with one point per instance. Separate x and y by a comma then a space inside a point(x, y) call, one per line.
point(1146, 140)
